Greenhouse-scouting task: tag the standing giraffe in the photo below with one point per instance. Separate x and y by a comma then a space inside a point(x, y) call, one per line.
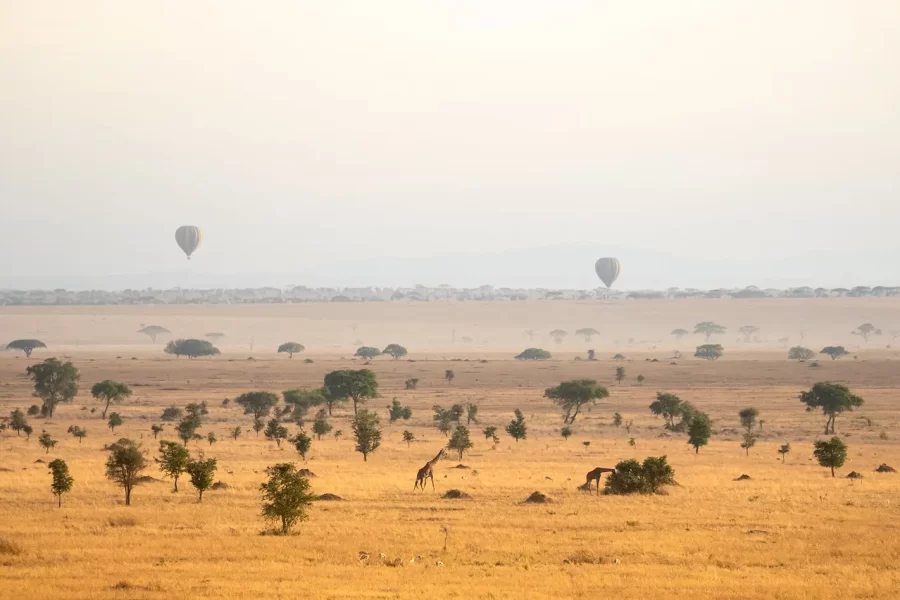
point(595, 475)
point(426, 472)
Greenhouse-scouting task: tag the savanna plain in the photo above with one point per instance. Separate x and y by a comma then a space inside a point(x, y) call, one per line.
point(789, 531)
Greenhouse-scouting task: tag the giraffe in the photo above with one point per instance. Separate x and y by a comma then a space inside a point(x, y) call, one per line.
point(426, 472)
point(595, 475)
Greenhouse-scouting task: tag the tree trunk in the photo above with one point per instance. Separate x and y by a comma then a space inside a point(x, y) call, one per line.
point(696, 449)
point(59, 496)
point(127, 495)
point(106, 408)
point(832, 470)
point(201, 496)
point(284, 526)
point(176, 483)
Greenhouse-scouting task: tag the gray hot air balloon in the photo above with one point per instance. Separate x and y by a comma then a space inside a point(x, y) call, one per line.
point(608, 269)
point(188, 238)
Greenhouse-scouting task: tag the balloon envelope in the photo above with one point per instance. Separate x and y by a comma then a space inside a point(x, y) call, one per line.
point(608, 269)
point(188, 238)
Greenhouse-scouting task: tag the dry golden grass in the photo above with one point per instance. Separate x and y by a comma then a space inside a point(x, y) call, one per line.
point(790, 532)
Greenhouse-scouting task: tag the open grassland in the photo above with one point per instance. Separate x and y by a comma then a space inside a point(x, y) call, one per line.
point(791, 531)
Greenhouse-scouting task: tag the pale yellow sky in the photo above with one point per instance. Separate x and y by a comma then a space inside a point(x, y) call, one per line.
point(302, 133)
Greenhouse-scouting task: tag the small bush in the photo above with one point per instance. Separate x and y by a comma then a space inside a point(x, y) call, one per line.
point(537, 498)
point(121, 521)
point(533, 354)
point(9, 547)
point(632, 477)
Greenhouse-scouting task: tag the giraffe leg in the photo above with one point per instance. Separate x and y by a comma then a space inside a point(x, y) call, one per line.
point(432, 482)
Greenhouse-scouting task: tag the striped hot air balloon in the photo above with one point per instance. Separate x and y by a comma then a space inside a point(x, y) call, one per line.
point(608, 269)
point(188, 238)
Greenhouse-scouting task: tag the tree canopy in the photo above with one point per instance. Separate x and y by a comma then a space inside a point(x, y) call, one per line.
point(258, 404)
point(108, 391)
point(699, 431)
point(290, 348)
point(124, 465)
point(367, 433)
point(710, 351)
point(709, 329)
point(668, 406)
point(632, 477)
point(153, 330)
point(800, 353)
point(834, 352)
point(460, 441)
point(367, 352)
point(26, 346)
point(865, 331)
point(62, 481)
point(587, 333)
point(191, 348)
point(395, 351)
point(533, 354)
point(54, 382)
point(285, 496)
point(679, 333)
point(832, 398)
point(572, 395)
point(173, 460)
point(357, 385)
point(830, 454)
point(517, 428)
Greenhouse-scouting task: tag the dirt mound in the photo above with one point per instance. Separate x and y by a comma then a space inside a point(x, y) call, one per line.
point(883, 468)
point(40, 462)
point(329, 497)
point(220, 485)
point(306, 473)
point(537, 498)
point(461, 466)
point(5, 470)
point(455, 495)
point(854, 475)
point(743, 477)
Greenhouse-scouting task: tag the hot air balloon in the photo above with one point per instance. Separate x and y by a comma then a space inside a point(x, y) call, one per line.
point(188, 238)
point(608, 269)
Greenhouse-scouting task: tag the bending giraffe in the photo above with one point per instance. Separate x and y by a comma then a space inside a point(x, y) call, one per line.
point(595, 475)
point(427, 472)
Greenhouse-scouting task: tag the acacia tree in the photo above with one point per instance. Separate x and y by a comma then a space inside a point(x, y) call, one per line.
point(26, 346)
point(572, 395)
point(667, 405)
point(459, 441)
point(173, 460)
point(396, 411)
point(710, 351)
point(709, 329)
point(558, 335)
point(566, 432)
point(46, 441)
point(408, 437)
point(54, 382)
point(783, 451)
point(395, 351)
point(800, 353)
point(748, 418)
point(202, 473)
point(367, 433)
point(321, 426)
point(865, 331)
point(110, 392)
point(114, 421)
point(833, 399)
point(191, 348)
point(62, 481)
point(471, 413)
point(124, 465)
point(748, 331)
point(276, 432)
point(699, 431)
point(367, 352)
point(258, 404)
point(302, 444)
point(587, 332)
point(831, 453)
point(187, 429)
point(679, 333)
point(749, 441)
point(357, 385)
point(77, 432)
point(449, 375)
point(303, 400)
point(17, 421)
point(286, 496)
point(517, 429)
point(156, 429)
point(620, 375)
point(290, 348)
point(152, 331)
point(834, 352)
point(490, 433)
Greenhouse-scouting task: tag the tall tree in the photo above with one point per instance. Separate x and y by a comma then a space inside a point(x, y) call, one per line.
point(62, 481)
point(202, 473)
point(46, 441)
point(357, 385)
point(17, 421)
point(187, 429)
point(302, 444)
point(321, 426)
point(173, 460)
point(290, 348)
point(748, 418)
point(459, 441)
point(110, 392)
point(699, 431)
point(517, 429)
point(124, 465)
point(710, 351)
point(831, 453)
point(367, 433)
point(258, 404)
point(833, 399)
point(708, 329)
point(395, 351)
point(865, 331)
point(572, 395)
point(620, 375)
point(153, 330)
point(286, 496)
point(679, 333)
point(26, 346)
point(276, 432)
point(114, 421)
point(834, 352)
point(668, 406)
point(748, 331)
point(54, 382)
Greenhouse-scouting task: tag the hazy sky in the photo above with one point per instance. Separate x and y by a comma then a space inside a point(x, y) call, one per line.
point(300, 134)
